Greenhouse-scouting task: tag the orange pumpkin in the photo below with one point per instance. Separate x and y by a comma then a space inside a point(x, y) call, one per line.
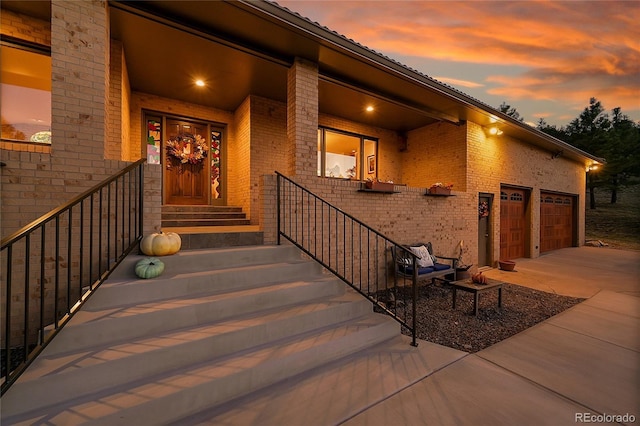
point(479, 278)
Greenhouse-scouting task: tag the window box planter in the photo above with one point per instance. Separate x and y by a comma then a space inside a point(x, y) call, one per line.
point(379, 186)
point(437, 190)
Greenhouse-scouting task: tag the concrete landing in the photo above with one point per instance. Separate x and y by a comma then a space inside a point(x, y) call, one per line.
point(583, 362)
point(577, 272)
point(337, 392)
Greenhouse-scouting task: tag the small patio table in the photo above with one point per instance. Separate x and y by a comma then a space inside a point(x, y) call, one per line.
point(471, 287)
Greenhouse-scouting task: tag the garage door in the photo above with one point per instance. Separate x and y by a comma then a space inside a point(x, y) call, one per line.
point(556, 221)
point(512, 223)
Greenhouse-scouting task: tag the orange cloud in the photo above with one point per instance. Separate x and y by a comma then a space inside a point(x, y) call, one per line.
point(569, 51)
point(458, 82)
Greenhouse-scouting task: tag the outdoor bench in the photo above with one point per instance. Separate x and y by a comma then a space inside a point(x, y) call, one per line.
point(442, 266)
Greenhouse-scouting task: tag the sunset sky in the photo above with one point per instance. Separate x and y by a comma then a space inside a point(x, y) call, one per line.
point(546, 58)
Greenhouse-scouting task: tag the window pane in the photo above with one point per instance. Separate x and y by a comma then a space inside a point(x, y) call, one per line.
point(25, 95)
point(342, 152)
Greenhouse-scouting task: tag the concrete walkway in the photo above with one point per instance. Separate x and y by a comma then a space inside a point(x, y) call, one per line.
point(574, 367)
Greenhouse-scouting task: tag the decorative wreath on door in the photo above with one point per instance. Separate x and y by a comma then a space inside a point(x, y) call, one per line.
point(187, 148)
point(483, 209)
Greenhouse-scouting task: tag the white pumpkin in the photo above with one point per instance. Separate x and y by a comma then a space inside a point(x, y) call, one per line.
point(161, 244)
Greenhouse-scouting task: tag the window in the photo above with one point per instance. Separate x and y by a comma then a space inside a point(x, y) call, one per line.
point(25, 94)
point(346, 156)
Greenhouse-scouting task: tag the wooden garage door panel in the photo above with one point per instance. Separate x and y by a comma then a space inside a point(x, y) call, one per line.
point(512, 223)
point(556, 221)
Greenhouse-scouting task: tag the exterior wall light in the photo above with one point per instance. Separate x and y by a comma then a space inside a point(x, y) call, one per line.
point(591, 167)
point(494, 131)
point(200, 83)
point(369, 108)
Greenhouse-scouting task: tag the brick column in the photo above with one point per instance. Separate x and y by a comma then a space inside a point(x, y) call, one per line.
point(302, 119)
point(79, 72)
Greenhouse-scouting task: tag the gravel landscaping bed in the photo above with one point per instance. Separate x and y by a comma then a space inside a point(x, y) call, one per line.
point(522, 307)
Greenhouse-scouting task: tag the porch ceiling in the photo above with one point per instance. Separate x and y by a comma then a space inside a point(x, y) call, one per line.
point(165, 56)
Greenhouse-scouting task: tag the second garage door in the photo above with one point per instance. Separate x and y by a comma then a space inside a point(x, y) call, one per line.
point(556, 221)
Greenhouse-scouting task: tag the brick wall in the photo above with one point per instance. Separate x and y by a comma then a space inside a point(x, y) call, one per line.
point(436, 153)
point(114, 144)
point(25, 27)
point(498, 160)
point(268, 136)
point(302, 118)
point(239, 159)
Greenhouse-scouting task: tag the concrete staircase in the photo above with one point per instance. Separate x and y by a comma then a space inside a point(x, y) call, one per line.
point(217, 326)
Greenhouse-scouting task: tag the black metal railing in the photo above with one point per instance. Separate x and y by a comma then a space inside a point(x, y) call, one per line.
point(51, 266)
point(353, 251)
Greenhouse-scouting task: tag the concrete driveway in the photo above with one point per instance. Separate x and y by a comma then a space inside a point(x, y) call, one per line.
point(577, 271)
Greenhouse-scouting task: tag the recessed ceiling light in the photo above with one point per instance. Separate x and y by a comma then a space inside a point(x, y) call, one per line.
point(200, 83)
point(369, 108)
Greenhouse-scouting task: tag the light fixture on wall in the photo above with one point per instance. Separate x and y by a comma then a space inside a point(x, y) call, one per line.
point(200, 83)
point(557, 154)
point(494, 131)
point(591, 167)
point(369, 108)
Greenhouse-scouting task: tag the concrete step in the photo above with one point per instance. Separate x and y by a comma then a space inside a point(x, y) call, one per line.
point(204, 222)
point(100, 326)
point(171, 396)
point(209, 260)
point(203, 215)
point(194, 240)
point(197, 216)
point(57, 378)
point(179, 209)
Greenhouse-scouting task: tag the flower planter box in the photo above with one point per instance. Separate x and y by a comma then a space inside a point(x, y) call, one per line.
point(380, 186)
point(437, 190)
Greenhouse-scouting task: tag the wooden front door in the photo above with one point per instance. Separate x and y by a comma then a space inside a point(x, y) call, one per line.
point(556, 221)
point(186, 174)
point(512, 223)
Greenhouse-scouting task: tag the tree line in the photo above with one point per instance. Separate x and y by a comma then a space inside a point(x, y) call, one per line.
point(614, 137)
